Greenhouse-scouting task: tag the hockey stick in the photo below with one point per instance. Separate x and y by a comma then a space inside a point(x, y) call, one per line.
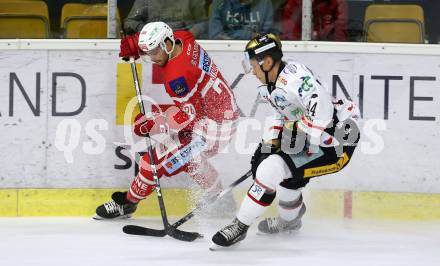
point(173, 232)
point(139, 230)
point(237, 80)
point(233, 85)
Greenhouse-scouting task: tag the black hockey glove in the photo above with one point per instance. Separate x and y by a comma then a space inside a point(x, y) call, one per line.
point(262, 152)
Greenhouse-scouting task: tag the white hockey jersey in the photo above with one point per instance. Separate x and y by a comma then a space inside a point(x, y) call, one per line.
point(299, 96)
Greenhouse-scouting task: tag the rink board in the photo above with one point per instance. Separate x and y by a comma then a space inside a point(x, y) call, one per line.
point(64, 131)
point(321, 203)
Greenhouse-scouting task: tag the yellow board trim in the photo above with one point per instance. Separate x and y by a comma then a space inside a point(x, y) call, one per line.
point(373, 205)
point(327, 169)
point(396, 206)
point(320, 203)
point(82, 202)
point(324, 203)
point(125, 92)
point(8, 202)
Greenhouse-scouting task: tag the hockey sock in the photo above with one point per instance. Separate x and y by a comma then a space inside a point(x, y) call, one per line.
point(290, 202)
point(140, 188)
point(258, 198)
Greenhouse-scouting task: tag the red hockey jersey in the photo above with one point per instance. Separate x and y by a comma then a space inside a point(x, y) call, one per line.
point(196, 86)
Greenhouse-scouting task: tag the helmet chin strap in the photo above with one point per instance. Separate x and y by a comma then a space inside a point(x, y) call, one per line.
point(164, 47)
point(270, 85)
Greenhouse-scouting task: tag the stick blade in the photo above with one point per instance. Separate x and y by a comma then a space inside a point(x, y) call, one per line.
point(172, 232)
point(143, 231)
point(183, 235)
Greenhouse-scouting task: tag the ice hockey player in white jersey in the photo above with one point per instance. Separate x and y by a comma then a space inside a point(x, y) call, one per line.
point(311, 134)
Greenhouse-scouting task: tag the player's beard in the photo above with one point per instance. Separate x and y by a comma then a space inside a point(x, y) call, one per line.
point(148, 60)
point(162, 63)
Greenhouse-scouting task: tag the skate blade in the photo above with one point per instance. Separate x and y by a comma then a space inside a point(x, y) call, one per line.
point(215, 247)
point(259, 233)
point(99, 218)
point(282, 233)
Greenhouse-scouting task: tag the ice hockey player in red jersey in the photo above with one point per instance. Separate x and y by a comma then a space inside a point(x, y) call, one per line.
point(202, 121)
point(311, 134)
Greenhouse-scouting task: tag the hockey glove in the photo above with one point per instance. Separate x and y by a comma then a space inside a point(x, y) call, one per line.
point(261, 153)
point(129, 47)
point(154, 125)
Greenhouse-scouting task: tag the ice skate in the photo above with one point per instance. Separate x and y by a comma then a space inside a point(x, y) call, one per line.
point(276, 225)
point(118, 208)
point(229, 235)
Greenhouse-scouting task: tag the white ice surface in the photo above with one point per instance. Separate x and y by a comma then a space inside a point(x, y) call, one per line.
point(82, 241)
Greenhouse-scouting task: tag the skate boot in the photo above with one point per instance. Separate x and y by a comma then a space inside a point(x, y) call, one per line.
point(118, 208)
point(229, 235)
point(277, 225)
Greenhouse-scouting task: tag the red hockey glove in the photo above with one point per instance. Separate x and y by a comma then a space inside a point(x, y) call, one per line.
point(154, 125)
point(129, 47)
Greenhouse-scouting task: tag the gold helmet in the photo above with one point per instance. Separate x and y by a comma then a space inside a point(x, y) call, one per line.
point(261, 46)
